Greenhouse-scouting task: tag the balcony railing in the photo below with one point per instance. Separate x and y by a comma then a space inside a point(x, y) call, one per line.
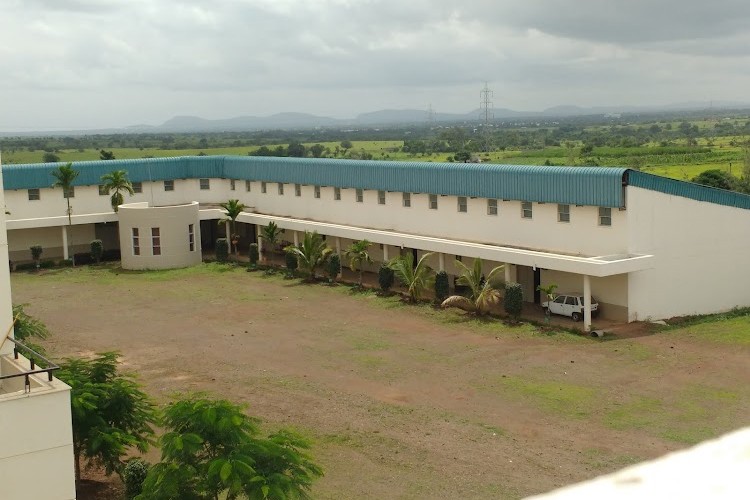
point(33, 358)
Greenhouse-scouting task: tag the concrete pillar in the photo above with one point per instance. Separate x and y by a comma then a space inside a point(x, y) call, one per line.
point(507, 269)
point(385, 253)
point(586, 303)
point(295, 236)
point(441, 262)
point(65, 241)
point(338, 246)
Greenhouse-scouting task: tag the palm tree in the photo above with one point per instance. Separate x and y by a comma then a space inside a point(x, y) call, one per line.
point(233, 208)
point(117, 181)
point(64, 176)
point(311, 253)
point(270, 234)
point(485, 292)
point(415, 279)
point(358, 256)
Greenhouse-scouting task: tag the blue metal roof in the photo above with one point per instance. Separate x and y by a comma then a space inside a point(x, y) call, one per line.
point(594, 186)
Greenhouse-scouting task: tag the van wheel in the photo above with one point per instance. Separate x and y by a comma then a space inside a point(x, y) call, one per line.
point(576, 316)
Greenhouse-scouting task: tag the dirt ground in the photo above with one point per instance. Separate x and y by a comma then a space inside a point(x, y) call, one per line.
point(402, 401)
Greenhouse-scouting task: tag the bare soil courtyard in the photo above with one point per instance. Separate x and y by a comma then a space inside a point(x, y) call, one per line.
point(404, 401)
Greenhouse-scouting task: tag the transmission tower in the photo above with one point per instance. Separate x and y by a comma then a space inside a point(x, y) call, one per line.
point(486, 115)
point(430, 115)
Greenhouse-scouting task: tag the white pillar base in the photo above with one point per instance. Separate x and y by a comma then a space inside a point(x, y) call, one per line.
point(66, 256)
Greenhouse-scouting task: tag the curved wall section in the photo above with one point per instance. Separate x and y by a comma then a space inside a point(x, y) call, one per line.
point(159, 237)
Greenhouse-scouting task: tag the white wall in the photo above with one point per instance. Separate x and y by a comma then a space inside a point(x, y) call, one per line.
point(6, 311)
point(50, 238)
point(700, 253)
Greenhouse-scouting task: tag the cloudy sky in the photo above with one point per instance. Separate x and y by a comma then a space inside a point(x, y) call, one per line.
point(77, 64)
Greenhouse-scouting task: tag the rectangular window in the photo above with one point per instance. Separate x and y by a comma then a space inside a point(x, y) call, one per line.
point(407, 199)
point(263, 187)
point(298, 190)
point(191, 237)
point(168, 185)
point(34, 195)
point(605, 216)
point(563, 213)
point(103, 190)
point(155, 241)
point(247, 185)
point(136, 242)
point(317, 191)
point(491, 207)
point(381, 197)
point(360, 195)
point(137, 187)
point(231, 185)
point(462, 205)
point(69, 193)
point(526, 210)
point(281, 188)
point(337, 194)
point(205, 184)
point(433, 202)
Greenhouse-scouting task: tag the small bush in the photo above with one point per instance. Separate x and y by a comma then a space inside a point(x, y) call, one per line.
point(133, 475)
point(47, 264)
point(97, 249)
point(254, 254)
point(222, 250)
point(26, 266)
point(442, 286)
point(36, 253)
point(385, 278)
point(333, 267)
point(291, 263)
point(65, 263)
point(513, 300)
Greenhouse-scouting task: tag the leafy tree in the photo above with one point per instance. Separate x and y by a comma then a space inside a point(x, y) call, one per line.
point(311, 253)
point(97, 249)
point(233, 209)
point(64, 176)
point(333, 267)
point(346, 145)
point(717, 178)
point(296, 149)
point(463, 156)
point(442, 286)
point(133, 475)
point(385, 278)
point(485, 292)
point(417, 278)
point(110, 412)
point(36, 254)
point(270, 234)
point(212, 450)
point(317, 150)
point(358, 256)
point(106, 155)
point(27, 327)
point(513, 300)
point(117, 181)
point(50, 158)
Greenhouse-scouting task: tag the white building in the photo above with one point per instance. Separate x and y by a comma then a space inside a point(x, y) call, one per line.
point(646, 247)
point(36, 440)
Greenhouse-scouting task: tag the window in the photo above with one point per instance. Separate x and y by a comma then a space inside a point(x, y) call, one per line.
point(205, 184)
point(491, 207)
point(605, 216)
point(298, 190)
point(560, 300)
point(69, 193)
point(462, 206)
point(407, 199)
point(281, 188)
point(526, 210)
point(263, 187)
point(168, 185)
point(571, 301)
point(433, 202)
point(34, 195)
point(136, 242)
point(191, 237)
point(231, 185)
point(155, 241)
point(360, 195)
point(337, 194)
point(103, 190)
point(247, 185)
point(563, 213)
point(137, 187)
point(381, 197)
point(317, 191)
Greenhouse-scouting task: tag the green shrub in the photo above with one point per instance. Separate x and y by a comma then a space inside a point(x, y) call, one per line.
point(513, 300)
point(26, 266)
point(333, 267)
point(291, 263)
point(133, 475)
point(222, 250)
point(442, 286)
point(97, 249)
point(254, 254)
point(386, 277)
point(36, 253)
point(65, 263)
point(47, 264)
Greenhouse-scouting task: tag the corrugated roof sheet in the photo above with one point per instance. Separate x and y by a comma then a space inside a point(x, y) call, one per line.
point(595, 186)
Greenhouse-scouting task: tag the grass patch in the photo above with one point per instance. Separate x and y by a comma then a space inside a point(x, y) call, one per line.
point(638, 413)
point(600, 460)
point(731, 329)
